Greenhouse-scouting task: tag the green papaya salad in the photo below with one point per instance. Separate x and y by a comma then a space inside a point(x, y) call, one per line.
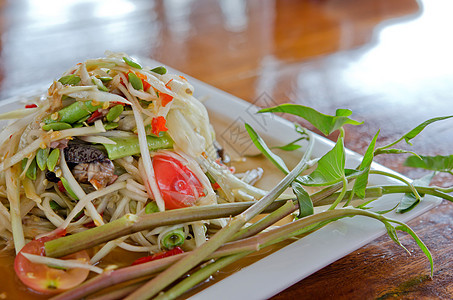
point(110, 138)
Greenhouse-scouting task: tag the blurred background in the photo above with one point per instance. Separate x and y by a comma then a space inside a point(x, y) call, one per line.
point(389, 61)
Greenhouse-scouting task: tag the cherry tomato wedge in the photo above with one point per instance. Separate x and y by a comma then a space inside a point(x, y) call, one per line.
point(179, 185)
point(45, 279)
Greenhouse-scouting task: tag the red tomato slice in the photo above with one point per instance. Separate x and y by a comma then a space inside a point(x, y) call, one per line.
point(44, 279)
point(179, 185)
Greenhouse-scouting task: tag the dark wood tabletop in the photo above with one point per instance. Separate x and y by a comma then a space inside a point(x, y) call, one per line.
point(389, 61)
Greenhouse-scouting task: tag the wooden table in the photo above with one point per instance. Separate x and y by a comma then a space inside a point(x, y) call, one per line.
point(389, 61)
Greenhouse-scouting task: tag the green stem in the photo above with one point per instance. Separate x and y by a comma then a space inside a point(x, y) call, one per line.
point(129, 224)
point(200, 276)
point(380, 149)
point(400, 178)
point(341, 195)
point(199, 254)
point(265, 222)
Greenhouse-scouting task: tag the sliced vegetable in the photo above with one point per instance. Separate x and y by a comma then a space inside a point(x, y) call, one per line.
point(158, 125)
point(53, 159)
point(165, 98)
point(99, 84)
point(110, 126)
point(135, 81)
point(31, 171)
point(132, 63)
point(178, 185)
point(41, 158)
point(56, 126)
point(173, 238)
point(114, 113)
point(72, 113)
point(176, 250)
point(151, 207)
point(67, 188)
point(70, 79)
point(159, 70)
point(44, 279)
point(130, 145)
point(105, 78)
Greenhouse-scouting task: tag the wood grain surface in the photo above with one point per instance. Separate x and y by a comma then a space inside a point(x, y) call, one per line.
point(389, 61)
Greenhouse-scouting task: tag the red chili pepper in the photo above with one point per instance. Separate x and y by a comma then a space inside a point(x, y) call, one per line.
point(31, 105)
point(94, 116)
point(174, 251)
point(167, 84)
point(158, 125)
point(61, 187)
point(165, 98)
point(215, 186)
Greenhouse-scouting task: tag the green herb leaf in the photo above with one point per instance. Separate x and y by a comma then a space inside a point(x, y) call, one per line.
point(135, 81)
point(330, 169)
point(159, 70)
point(304, 200)
point(435, 163)
point(414, 132)
point(261, 145)
point(288, 147)
point(324, 123)
point(361, 182)
point(70, 79)
point(293, 146)
point(132, 63)
point(409, 201)
point(407, 229)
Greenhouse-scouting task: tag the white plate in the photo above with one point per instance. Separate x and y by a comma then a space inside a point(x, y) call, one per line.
point(302, 258)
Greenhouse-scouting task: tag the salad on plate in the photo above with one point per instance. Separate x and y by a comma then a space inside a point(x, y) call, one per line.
point(121, 158)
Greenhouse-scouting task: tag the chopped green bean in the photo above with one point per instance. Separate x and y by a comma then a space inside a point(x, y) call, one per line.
point(99, 84)
point(130, 146)
point(73, 113)
point(105, 78)
point(53, 158)
point(56, 126)
point(110, 126)
point(159, 70)
point(70, 79)
point(151, 207)
point(41, 158)
point(135, 81)
point(173, 238)
point(132, 63)
point(54, 205)
point(68, 189)
point(31, 171)
point(114, 112)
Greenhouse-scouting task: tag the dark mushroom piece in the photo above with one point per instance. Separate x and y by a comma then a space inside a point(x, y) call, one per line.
point(89, 164)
